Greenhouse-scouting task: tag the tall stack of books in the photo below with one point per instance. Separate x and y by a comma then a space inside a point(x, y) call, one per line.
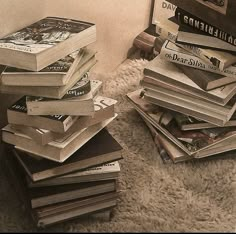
point(62, 160)
point(188, 96)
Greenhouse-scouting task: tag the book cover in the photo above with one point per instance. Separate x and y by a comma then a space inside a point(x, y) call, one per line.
point(189, 20)
point(204, 79)
point(93, 153)
point(56, 74)
point(174, 53)
point(58, 150)
point(191, 142)
point(40, 40)
point(219, 14)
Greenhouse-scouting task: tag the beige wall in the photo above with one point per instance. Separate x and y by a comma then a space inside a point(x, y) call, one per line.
point(118, 22)
point(15, 14)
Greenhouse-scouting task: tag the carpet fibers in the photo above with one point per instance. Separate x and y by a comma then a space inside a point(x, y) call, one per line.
point(194, 196)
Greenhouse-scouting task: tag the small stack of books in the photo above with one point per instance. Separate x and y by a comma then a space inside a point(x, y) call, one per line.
point(61, 157)
point(188, 96)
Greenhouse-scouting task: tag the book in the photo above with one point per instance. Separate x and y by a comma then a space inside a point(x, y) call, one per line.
point(77, 208)
point(57, 92)
point(193, 143)
point(218, 59)
point(187, 123)
point(91, 154)
point(56, 74)
point(107, 171)
point(204, 79)
point(185, 18)
point(167, 72)
point(185, 104)
point(173, 53)
point(43, 196)
point(187, 35)
point(59, 150)
point(80, 105)
point(17, 114)
point(218, 15)
point(104, 109)
point(44, 42)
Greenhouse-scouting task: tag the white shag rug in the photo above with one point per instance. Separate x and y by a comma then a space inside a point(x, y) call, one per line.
point(156, 197)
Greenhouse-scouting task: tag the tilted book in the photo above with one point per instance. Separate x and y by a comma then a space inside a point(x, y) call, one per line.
point(91, 154)
point(167, 72)
point(173, 53)
point(58, 150)
point(187, 123)
point(185, 18)
point(57, 92)
point(220, 14)
point(107, 171)
point(179, 101)
point(56, 74)
point(204, 79)
point(187, 35)
point(17, 114)
point(45, 42)
point(218, 59)
point(104, 109)
point(194, 143)
point(77, 102)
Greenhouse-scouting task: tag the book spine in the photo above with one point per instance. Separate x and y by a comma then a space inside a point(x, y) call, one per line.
point(204, 55)
point(195, 62)
point(196, 23)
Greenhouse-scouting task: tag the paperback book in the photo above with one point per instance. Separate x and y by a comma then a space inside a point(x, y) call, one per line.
point(45, 42)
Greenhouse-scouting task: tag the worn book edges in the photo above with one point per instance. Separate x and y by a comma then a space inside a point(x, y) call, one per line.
point(174, 53)
point(104, 109)
point(218, 15)
point(44, 42)
point(160, 69)
point(17, 114)
point(77, 102)
point(193, 143)
point(204, 79)
point(57, 92)
point(188, 35)
point(56, 74)
point(93, 153)
point(58, 150)
point(107, 171)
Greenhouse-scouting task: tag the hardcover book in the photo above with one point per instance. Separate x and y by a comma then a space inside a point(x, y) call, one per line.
point(77, 102)
point(206, 80)
point(58, 150)
point(203, 27)
point(17, 114)
point(91, 154)
point(56, 74)
point(57, 92)
point(173, 53)
point(45, 42)
point(220, 14)
point(167, 72)
point(107, 171)
point(194, 143)
point(104, 109)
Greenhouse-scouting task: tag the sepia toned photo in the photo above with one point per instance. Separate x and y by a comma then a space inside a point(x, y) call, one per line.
point(218, 5)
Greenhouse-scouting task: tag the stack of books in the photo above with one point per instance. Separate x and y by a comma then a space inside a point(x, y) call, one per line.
point(62, 159)
point(188, 91)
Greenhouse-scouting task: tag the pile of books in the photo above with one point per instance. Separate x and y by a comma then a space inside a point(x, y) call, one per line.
point(188, 91)
point(61, 159)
